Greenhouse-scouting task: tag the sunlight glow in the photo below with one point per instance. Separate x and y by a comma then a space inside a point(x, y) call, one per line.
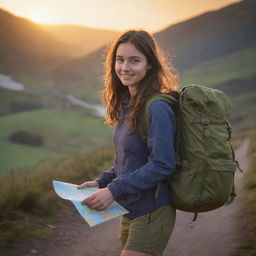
point(39, 18)
point(112, 14)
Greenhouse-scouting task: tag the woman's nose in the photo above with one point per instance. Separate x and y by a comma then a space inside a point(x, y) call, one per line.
point(125, 66)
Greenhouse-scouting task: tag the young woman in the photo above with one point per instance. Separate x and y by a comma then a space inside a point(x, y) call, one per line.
point(135, 69)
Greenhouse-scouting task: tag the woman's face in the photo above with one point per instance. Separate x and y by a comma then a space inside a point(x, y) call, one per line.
point(131, 65)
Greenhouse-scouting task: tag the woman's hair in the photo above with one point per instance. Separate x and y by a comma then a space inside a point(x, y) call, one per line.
point(161, 77)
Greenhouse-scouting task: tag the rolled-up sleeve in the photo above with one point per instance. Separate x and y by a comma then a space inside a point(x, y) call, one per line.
point(161, 158)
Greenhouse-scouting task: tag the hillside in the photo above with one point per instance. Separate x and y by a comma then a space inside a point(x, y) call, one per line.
point(81, 76)
point(30, 52)
point(211, 35)
point(83, 40)
point(27, 50)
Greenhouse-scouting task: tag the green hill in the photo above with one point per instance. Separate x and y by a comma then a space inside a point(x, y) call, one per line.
point(239, 65)
point(63, 133)
point(211, 35)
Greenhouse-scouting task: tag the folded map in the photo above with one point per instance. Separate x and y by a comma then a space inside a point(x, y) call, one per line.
point(76, 196)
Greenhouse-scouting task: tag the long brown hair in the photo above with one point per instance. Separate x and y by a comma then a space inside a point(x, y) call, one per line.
point(160, 78)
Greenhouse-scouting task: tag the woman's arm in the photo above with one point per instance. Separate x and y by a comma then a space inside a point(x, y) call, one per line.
point(161, 160)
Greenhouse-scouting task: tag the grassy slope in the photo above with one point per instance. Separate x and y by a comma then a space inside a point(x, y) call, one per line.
point(34, 97)
point(63, 132)
point(238, 65)
point(18, 157)
point(6, 97)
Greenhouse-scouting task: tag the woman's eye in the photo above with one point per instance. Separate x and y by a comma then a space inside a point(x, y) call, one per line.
point(119, 60)
point(135, 61)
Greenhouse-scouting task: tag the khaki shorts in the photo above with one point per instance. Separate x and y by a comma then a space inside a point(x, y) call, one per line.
point(149, 233)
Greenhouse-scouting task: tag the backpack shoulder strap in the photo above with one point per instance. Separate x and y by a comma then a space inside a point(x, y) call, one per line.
point(142, 127)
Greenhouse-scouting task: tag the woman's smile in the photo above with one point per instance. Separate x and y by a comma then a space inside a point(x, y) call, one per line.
point(126, 76)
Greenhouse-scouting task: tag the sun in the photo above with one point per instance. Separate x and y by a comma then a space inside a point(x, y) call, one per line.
point(40, 17)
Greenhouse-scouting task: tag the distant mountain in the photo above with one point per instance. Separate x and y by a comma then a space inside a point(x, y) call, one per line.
point(191, 43)
point(211, 35)
point(26, 49)
point(82, 39)
point(31, 52)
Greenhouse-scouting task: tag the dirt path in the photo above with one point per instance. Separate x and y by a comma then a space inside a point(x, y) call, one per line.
point(214, 233)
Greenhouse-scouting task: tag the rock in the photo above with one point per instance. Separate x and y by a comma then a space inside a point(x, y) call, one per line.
point(51, 226)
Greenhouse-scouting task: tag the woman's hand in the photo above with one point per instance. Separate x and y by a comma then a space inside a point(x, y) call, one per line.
point(99, 200)
point(88, 184)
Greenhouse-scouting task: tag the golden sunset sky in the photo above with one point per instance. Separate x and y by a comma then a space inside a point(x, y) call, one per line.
point(152, 15)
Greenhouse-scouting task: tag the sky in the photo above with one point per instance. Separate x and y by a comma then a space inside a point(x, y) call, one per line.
point(152, 15)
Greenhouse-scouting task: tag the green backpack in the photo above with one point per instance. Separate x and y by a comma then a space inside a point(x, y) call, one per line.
point(205, 161)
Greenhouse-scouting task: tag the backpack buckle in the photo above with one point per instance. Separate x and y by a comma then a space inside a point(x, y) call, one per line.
point(205, 121)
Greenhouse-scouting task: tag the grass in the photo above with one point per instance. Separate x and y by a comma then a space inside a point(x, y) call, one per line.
point(17, 157)
point(243, 111)
point(235, 66)
point(8, 98)
point(248, 213)
point(87, 94)
point(28, 200)
point(63, 132)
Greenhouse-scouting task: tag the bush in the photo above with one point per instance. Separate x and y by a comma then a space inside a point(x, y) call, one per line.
point(23, 137)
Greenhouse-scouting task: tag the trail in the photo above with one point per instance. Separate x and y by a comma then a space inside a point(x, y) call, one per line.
point(214, 233)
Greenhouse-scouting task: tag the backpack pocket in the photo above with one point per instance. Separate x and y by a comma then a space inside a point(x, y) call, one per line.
point(219, 181)
point(203, 189)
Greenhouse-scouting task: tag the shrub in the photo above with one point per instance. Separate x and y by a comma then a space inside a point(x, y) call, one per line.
point(23, 137)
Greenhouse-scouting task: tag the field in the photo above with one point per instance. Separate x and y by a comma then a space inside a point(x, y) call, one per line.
point(64, 132)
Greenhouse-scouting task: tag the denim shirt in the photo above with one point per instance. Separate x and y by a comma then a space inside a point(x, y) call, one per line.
point(140, 166)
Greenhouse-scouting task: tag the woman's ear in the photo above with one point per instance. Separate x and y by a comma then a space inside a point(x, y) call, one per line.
point(149, 66)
